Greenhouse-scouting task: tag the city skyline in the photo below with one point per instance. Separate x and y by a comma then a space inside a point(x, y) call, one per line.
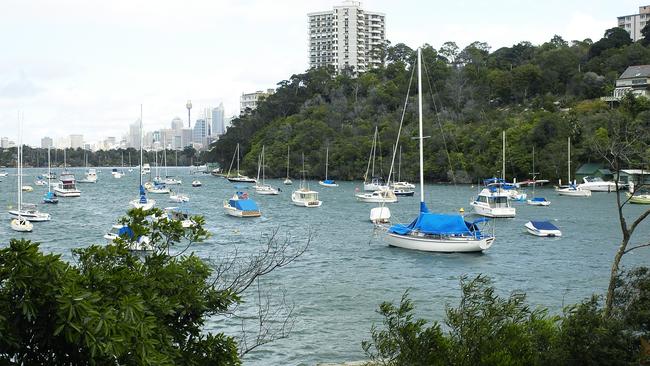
point(85, 68)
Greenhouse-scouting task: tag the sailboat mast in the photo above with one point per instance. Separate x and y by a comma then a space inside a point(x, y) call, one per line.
point(20, 165)
point(238, 159)
point(263, 159)
point(503, 158)
point(420, 127)
point(399, 165)
point(141, 143)
point(327, 158)
point(568, 171)
point(49, 171)
point(374, 153)
point(287, 161)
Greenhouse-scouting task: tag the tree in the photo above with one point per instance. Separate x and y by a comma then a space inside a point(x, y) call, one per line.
point(645, 32)
point(115, 307)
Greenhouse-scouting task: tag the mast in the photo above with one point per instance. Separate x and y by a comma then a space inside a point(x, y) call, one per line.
point(420, 128)
point(327, 158)
point(287, 161)
point(20, 166)
point(503, 158)
point(399, 165)
point(141, 143)
point(263, 160)
point(238, 159)
point(374, 153)
point(569, 159)
point(49, 172)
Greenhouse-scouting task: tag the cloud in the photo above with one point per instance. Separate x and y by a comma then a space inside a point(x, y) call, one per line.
point(19, 87)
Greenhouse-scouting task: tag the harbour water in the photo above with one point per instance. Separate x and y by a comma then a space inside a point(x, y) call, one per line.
point(347, 271)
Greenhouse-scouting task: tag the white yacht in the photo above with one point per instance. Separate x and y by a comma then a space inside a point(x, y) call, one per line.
point(263, 189)
point(238, 178)
point(597, 184)
point(30, 212)
point(493, 201)
point(303, 196)
point(146, 169)
point(67, 186)
point(117, 174)
point(383, 195)
point(142, 201)
point(91, 176)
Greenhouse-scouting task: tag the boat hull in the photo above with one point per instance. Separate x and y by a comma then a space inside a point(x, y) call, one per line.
point(495, 212)
point(242, 180)
point(21, 225)
point(442, 245)
point(30, 216)
point(544, 233)
point(67, 193)
point(573, 192)
point(538, 203)
point(145, 206)
point(642, 199)
point(374, 199)
point(327, 184)
point(310, 204)
point(232, 211)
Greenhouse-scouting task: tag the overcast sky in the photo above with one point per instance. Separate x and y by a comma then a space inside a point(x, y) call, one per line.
point(85, 66)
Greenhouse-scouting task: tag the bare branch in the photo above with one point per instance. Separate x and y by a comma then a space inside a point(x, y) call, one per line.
point(637, 247)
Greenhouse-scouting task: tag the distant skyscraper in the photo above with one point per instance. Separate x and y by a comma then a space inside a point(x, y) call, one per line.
point(200, 131)
point(4, 142)
point(218, 121)
point(46, 142)
point(634, 23)
point(347, 37)
point(134, 135)
point(76, 141)
point(186, 137)
point(177, 123)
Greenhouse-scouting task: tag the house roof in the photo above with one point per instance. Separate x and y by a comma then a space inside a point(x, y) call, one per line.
point(635, 171)
point(636, 71)
point(589, 168)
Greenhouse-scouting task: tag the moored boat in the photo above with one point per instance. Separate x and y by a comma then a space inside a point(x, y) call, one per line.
point(240, 205)
point(542, 228)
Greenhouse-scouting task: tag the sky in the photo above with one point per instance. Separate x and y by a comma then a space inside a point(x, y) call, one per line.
point(86, 66)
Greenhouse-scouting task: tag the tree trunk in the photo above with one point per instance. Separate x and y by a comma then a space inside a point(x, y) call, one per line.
point(609, 300)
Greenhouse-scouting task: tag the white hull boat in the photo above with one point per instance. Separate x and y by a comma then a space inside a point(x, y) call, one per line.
point(305, 198)
point(31, 215)
point(493, 204)
point(241, 206)
point(40, 182)
point(596, 184)
point(27, 188)
point(427, 243)
point(328, 183)
point(287, 182)
point(538, 201)
point(573, 191)
point(146, 205)
point(266, 190)
point(196, 183)
point(542, 228)
point(178, 198)
point(403, 185)
point(380, 196)
point(21, 225)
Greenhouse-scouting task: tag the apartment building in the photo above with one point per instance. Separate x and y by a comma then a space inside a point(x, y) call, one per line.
point(634, 23)
point(347, 38)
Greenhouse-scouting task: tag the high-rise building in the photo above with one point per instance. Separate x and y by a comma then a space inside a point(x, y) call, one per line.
point(177, 123)
point(200, 131)
point(134, 135)
point(46, 142)
point(4, 142)
point(76, 141)
point(634, 23)
point(218, 122)
point(347, 38)
point(186, 137)
point(249, 101)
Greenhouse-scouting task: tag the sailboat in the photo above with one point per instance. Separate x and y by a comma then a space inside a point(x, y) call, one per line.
point(402, 188)
point(431, 231)
point(49, 197)
point(327, 182)
point(288, 181)
point(142, 202)
point(265, 189)
point(169, 180)
point(571, 190)
point(536, 201)
point(91, 173)
point(494, 199)
point(158, 186)
point(376, 182)
point(304, 197)
point(117, 174)
point(20, 223)
point(239, 178)
point(130, 169)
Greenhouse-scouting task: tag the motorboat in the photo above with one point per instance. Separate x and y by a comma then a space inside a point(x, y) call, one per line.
point(90, 177)
point(146, 169)
point(141, 244)
point(404, 192)
point(493, 201)
point(384, 195)
point(196, 183)
point(3, 173)
point(178, 197)
point(172, 181)
point(40, 182)
point(179, 214)
point(403, 185)
point(641, 196)
point(30, 212)
point(597, 184)
point(116, 173)
point(67, 186)
point(240, 205)
point(542, 228)
point(27, 188)
point(304, 197)
point(538, 201)
point(21, 225)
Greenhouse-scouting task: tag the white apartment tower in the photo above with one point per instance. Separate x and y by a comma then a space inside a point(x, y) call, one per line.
point(347, 37)
point(635, 22)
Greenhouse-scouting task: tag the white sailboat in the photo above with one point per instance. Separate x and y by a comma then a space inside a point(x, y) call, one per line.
point(91, 173)
point(49, 196)
point(375, 182)
point(169, 180)
point(436, 232)
point(265, 189)
point(142, 202)
point(536, 201)
point(287, 181)
point(303, 196)
point(239, 178)
point(20, 223)
point(571, 190)
point(327, 182)
point(402, 188)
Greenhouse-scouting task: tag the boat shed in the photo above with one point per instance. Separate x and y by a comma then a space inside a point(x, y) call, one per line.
point(594, 170)
point(637, 176)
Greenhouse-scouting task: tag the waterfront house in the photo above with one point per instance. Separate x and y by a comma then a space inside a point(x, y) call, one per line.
point(635, 80)
point(593, 170)
point(637, 176)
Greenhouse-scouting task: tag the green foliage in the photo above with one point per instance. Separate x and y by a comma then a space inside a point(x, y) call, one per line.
point(488, 329)
point(113, 306)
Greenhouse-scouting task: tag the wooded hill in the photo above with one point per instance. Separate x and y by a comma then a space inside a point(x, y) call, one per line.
point(539, 95)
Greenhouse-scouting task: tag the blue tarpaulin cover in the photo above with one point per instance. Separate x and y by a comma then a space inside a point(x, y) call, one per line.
point(244, 205)
point(328, 181)
point(543, 225)
point(435, 224)
point(539, 199)
point(125, 231)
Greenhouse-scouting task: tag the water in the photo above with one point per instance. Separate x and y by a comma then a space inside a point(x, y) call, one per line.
point(347, 271)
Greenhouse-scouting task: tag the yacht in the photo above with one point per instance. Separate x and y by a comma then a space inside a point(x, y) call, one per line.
point(241, 206)
point(146, 169)
point(304, 197)
point(597, 184)
point(91, 176)
point(384, 195)
point(117, 174)
point(493, 201)
point(30, 212)
point(67, 186)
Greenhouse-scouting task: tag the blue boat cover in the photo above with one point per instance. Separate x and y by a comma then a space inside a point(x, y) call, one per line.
point(244, 205)
point(539, 199)
point(436, 224)
point(543, 225)
point(125, 231)
point(143, 197)
point(329, 181)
